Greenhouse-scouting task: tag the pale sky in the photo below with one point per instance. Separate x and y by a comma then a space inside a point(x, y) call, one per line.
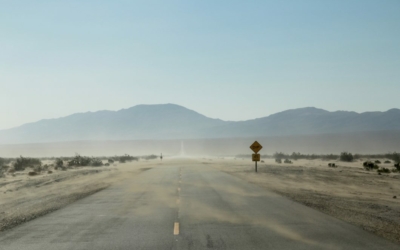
point(233, 59)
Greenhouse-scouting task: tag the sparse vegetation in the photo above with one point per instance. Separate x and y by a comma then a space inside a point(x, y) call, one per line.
point(45, 167)
point(126, 158)
point(346, 156)
point(21, 163)
point(383, 170)
point(393, 156)
point(59, 163)
point(278, 160)
point(299, 156)
point(287, 161)
point(2, 162)
point(369, 165)
point(81, 161)
point(332, 165)
point(95, 162)
point(150, 157)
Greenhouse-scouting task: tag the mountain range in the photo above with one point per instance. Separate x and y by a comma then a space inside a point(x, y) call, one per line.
point(170, 121)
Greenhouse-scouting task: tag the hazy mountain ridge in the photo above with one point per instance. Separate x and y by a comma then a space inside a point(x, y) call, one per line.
point(170, 121)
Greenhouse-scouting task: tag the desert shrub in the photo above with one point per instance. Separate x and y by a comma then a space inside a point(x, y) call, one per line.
point(96, 162)
point(345, 156)
point(332, 165)
point(32, 173)
point(126, 158)
point(80, 161)
point(393, 156)
point(378, 162)
point(107, 164)
point(21, 163)
point(38, 168)
point(278, 160)
point(2, 162)
point(387, 162)
point(287, 161)
point(150, 157)
point(280, 155)
point(110, 161)
point(59, 163)
point(397, 166)
point(368, 165)
point(383, 170)
point(45, 167)
point(295, 156)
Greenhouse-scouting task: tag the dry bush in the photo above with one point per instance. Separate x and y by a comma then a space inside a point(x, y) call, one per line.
point(369, 165)
point(332, 165)
point(287, 161)
point(21, 163)
point(383, 170)
point(32, 173)
point(346, 156)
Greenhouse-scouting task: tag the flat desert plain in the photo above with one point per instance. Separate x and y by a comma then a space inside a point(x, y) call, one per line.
point(24, 197)
point(347, 192)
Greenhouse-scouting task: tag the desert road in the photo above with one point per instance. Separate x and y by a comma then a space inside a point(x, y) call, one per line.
point(186, 204)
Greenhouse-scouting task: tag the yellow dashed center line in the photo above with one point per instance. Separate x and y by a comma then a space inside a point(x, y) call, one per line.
point(176, 228)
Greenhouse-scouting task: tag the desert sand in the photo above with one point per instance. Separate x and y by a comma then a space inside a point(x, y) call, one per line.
point(24, 197)
point(347, 192)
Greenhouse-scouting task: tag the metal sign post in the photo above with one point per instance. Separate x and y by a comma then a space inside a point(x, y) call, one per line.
point(256, 147)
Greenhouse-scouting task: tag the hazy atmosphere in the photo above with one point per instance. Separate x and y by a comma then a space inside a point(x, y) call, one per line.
point(180, 125)
point(232, 60)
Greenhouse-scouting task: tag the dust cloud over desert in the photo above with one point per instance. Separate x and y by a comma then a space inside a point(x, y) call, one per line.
point(363, 143)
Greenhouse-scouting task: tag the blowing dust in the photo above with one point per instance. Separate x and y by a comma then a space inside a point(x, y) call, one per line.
point(347, 192)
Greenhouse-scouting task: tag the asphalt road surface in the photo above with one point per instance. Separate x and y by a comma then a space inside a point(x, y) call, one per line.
point(187, 206)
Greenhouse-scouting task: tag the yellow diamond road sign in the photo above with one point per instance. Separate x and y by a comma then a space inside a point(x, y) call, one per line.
point(256, 147)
